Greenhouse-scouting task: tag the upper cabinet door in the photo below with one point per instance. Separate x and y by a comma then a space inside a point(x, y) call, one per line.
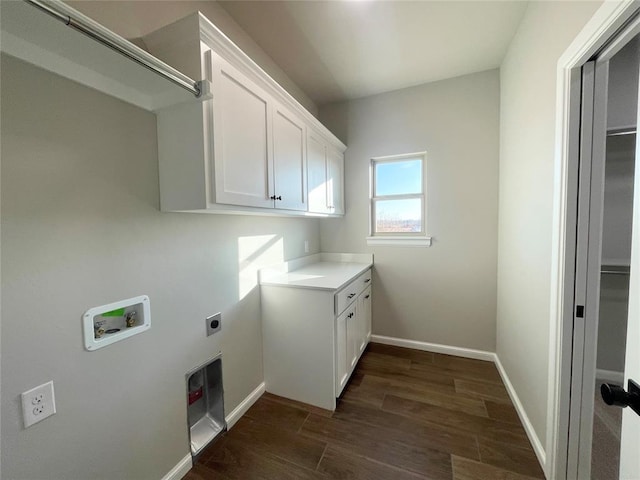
point(317, 174)
point(335, 181)
point(289, 160)
point(241, 138)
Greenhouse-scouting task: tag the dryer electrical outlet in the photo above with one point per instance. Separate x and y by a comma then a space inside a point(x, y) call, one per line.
point(214, 323)
point(38, 404)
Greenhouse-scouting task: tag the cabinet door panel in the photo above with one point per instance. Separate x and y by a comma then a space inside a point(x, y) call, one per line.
point(335, 181)
point(353, 338)
point(316, 174)
point(342, 367)
point(364, 318)
point(242, 139)
point(289, 158)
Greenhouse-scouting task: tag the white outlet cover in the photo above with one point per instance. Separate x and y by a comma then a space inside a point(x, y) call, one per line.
point(38, 404)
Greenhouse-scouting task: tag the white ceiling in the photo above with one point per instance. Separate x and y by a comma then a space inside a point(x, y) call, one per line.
point(337, 50)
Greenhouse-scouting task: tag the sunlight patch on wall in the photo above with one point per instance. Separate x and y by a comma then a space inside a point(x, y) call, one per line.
point(254, 253)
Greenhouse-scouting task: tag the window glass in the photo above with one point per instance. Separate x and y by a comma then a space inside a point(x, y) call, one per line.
point(398, 216)
point(398, 178)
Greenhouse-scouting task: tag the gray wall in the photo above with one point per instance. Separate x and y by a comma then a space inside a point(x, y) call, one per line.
point(527, 141)
point(81, 228)
point(444, 294)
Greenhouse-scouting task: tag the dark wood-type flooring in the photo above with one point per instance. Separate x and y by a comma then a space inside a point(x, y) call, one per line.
point(405, 414)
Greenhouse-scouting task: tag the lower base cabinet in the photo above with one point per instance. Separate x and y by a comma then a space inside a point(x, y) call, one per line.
point(313, 339)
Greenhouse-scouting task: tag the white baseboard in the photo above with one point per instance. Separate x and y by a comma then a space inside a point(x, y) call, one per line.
point(478, 355)
point(181, 469)
point(435, 347)
point(526, 423)
point(610, 376)
point(244, 405)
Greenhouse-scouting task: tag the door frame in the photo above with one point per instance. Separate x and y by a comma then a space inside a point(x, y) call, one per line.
point(605, 24)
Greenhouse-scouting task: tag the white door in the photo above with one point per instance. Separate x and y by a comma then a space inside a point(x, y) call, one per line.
point(241, 138)
point(289, 161)
point(630, 440)
point(588, 443)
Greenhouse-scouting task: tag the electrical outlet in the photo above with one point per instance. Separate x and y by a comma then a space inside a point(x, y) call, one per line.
point(214, 323)
point(38, 404)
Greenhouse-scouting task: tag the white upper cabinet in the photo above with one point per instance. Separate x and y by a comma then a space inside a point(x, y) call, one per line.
point(325, 170)
point(317, 174)
point(241, 138)
point(289, 161)
point(244, 149)
point(335, 181)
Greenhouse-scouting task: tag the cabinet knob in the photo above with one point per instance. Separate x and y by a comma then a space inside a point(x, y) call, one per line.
point(272, 197)
point(367, 280)
point(367, 296)
point(351, 295)
point(279, 197)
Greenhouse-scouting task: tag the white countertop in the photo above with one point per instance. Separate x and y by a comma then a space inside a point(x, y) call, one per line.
point(321, 271)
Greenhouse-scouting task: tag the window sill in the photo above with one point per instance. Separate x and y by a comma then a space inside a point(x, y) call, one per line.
point(390, 241)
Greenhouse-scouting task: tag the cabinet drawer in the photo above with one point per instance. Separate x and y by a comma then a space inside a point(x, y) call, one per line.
point(348, 294)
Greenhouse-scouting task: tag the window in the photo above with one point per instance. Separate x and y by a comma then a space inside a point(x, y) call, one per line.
point(398, 201)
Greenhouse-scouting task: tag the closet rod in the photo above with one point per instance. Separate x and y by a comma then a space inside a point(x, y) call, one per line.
point(621, 131)
point(94, 30)
point(614, 270)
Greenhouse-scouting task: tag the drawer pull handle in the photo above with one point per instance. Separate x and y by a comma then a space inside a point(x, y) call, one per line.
point(351, 295)
point(367, 280)
point(367, 296)
point(350, 315)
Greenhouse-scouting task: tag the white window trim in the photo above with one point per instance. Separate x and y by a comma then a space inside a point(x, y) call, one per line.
point(391, 241)
point(421, 239)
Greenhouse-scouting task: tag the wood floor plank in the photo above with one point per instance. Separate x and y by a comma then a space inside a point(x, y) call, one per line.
point(279, 414)
point(509, 457)
point(459, 421)
point(465, 469)
point(410, 376)
point(434, 396)
point(481, 370)
point(455, 373)
point(294, 403)
point(278, 442)
point(502, 411)
point(482, 390)
point(384, 445)
point(236, 459)
point(385, 362)
point(339, 465)
point(366, 392)
point(416, 356)
point(408, 431)
point(201, 472)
